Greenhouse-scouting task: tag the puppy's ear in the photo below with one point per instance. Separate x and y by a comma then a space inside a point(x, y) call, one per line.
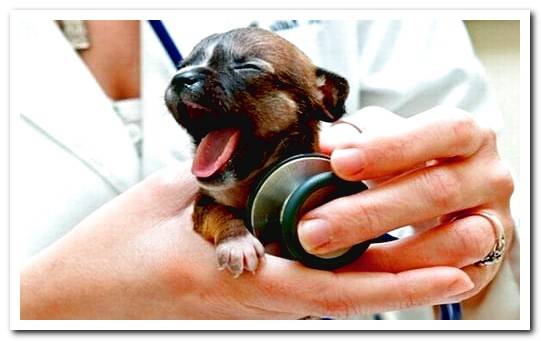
point(334, 91)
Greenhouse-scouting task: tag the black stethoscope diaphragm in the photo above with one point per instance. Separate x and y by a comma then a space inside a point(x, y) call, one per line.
point(289, 190)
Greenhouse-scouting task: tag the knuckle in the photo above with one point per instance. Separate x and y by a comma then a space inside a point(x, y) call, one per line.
point(366, 222)
point(441, 186)
point(463, 120)
point(464, 130)
point(475, 239)
point(490, 137)
point(501, 180)
point(457, 115)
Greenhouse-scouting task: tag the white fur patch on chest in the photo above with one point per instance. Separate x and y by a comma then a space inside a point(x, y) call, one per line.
point(231, 193)
point(235, 196)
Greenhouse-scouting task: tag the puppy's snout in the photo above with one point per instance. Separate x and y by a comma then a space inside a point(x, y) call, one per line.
point(192, 79)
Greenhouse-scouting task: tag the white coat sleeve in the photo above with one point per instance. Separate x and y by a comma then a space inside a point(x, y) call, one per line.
point(413, 65)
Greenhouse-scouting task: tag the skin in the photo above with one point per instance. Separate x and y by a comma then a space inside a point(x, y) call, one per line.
point(128, 259)
point(114, 56)
point(410, 188)
point(137, 257)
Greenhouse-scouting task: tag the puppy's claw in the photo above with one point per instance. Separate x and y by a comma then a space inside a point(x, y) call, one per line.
point(223, 259)
point(236, 264)
point(239, 253)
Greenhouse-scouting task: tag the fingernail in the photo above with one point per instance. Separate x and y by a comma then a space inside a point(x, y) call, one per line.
point(347, 161)
point(313, 233)
point(460, 287)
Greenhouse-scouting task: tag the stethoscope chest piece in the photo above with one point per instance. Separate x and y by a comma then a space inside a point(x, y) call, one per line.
point(286, 193)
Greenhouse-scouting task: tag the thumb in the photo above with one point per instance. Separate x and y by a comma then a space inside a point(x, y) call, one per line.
point(346, 132)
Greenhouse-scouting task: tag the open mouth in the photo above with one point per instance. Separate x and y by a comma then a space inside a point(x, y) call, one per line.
point(214, 151)
point(218, 140)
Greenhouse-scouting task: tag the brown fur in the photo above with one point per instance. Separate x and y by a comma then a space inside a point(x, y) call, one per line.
point(261, 84)
point(215, 221)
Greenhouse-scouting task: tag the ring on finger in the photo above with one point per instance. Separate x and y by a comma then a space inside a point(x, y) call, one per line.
point(348, 123)
point(498, 250)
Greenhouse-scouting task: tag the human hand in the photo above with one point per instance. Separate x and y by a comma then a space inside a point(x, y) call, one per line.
point(137, 257)
point(425, 170)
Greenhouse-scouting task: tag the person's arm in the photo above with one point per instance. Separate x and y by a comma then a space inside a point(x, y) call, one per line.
point(138, 258)
point(113, 56)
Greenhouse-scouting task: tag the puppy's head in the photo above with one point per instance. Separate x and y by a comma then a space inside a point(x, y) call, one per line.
point(248, 98)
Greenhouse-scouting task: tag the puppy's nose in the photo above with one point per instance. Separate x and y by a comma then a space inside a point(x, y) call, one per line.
point(190, 79)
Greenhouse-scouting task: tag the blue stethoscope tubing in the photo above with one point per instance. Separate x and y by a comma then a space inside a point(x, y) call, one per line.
point(167, 42)
point(447, 311)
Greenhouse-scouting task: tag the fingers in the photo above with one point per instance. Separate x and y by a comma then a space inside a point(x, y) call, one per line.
point(366, 120)
point(417, 196)
point(321, 293)
point(438, 133)
point(481, 276)
point(457, 244)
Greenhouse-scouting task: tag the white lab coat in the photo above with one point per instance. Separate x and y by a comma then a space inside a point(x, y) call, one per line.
point(73, 153)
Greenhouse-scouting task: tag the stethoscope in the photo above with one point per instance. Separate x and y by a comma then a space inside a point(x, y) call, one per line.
point(295, 186)
point(288, 190)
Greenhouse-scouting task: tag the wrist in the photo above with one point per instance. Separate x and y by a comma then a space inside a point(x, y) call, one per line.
point(57, 286)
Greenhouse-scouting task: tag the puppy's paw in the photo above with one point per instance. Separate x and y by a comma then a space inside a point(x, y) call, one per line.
point(239, 253)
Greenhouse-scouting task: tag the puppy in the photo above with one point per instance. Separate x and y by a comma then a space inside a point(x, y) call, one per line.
point(249, 99)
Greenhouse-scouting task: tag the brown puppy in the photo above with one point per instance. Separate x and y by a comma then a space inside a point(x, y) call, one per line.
point(249, 98)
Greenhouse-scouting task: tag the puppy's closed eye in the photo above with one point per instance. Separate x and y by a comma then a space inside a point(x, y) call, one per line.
point(256, 65)
point(247, 67)
point(249, 98)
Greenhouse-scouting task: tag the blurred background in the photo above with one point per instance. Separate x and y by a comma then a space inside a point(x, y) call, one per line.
point(497, 44)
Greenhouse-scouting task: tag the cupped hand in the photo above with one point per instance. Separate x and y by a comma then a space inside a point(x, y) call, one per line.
point(137, 257)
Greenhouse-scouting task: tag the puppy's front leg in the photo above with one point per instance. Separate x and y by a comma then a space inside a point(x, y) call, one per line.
point(236, 248)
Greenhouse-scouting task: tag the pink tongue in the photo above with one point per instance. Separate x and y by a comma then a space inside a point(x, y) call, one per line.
point(214, 151)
